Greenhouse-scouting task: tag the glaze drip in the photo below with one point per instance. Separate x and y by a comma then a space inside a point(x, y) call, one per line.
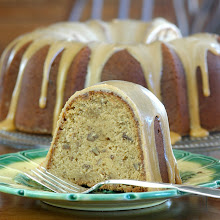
point(192, 52)
point(104, 39)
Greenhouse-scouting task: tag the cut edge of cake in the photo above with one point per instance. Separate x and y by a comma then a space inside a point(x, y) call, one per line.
point(149, 115)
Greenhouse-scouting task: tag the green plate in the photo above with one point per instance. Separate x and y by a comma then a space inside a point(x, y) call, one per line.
point(195, 169)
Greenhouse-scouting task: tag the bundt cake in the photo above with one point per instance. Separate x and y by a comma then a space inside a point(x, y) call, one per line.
point(42, 69)
point(112, 130)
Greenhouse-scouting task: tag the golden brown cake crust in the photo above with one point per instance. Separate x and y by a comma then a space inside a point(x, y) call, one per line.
point(210, 106)
point(8, 77)
point(34, 120)
point(95, 51)
point(173, 92)
point(77, 73)
point(160, 150)
point(173, 83)
point(122, 66)
point(29, 116)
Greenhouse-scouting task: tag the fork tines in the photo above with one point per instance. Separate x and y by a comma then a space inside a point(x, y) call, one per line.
point(48, 180)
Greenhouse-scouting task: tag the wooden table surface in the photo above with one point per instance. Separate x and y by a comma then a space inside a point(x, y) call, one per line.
point(185, 207)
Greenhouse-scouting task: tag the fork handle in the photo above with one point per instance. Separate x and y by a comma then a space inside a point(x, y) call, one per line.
point(204, 191)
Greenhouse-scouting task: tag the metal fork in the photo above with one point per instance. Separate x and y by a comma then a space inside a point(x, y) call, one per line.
point(48, 180)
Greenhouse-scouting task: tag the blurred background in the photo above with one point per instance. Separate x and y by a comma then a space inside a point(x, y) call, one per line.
point(20, 16)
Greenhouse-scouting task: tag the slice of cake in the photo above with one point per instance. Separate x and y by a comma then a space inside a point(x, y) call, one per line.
point(113, 130)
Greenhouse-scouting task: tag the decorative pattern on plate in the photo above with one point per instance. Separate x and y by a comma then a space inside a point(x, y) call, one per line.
point(194, 168)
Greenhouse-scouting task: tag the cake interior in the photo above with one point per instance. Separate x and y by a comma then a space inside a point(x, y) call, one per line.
point(98, 139)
